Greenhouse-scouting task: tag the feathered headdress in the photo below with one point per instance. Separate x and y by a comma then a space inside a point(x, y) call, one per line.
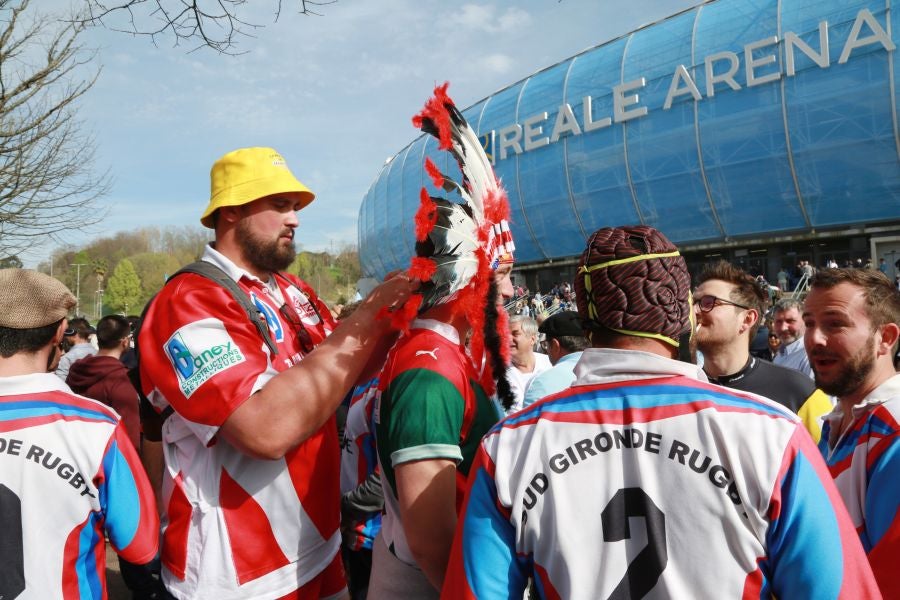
point(460, 243)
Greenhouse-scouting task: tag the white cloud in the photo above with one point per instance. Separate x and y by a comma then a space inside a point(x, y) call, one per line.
point(490, 19)
point(496, 63)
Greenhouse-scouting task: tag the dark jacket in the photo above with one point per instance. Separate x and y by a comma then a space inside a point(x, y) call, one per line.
point(105, 378)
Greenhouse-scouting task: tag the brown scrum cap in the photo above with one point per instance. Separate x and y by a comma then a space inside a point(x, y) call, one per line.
point(633, 281)
point(29, 299)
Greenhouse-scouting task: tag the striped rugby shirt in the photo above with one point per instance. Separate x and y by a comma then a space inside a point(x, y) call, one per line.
point(865, 464)
point(359, 459)
point(643, 480)
point(236, 527)
point(68, 475)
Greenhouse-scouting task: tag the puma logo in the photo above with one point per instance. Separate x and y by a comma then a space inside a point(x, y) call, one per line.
point(431, 353)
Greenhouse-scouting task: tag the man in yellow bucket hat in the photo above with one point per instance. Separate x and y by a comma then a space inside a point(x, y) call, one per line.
point(250, 489)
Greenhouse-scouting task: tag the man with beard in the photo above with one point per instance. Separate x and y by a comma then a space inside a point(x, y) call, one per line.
point(728, 305)
point(851, 318)
point(788, 326)
point(250, 489)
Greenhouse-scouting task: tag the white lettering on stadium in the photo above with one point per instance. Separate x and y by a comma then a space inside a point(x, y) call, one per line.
point(760, 66)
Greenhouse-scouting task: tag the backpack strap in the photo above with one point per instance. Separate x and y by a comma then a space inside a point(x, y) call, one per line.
point(217, 275)
point(152, 421)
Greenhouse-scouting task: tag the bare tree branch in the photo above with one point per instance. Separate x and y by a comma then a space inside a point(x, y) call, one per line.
point(47, 183)
point(215, 24)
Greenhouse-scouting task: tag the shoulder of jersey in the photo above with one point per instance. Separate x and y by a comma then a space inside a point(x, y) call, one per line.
point(425, 349)
point(670, 396)
point(67, 401)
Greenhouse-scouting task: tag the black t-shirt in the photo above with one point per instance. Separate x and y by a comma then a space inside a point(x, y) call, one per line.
point(785, 386)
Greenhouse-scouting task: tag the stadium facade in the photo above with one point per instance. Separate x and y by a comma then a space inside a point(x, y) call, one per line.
point(764, 132)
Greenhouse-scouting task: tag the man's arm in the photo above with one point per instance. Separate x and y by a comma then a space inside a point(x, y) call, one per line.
point(367, 497)
point(813, 549)
point(295, 403)
point(426, 491)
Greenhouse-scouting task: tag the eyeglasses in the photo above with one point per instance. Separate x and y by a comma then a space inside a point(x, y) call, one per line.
point(709, 302)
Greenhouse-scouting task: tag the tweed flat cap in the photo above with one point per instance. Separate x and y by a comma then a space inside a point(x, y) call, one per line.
point(29, 299)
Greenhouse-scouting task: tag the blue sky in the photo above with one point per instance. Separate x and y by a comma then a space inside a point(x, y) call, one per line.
point(334, 94)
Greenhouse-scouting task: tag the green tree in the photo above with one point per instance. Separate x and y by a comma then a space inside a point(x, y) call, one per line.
point(123, 291)
point(10, 262)
point(152, 269)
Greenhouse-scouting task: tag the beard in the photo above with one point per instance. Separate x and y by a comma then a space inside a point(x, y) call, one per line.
point(263, 254)
point(853, 373)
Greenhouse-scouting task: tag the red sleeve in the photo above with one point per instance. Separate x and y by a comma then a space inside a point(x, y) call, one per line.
point(199, 349)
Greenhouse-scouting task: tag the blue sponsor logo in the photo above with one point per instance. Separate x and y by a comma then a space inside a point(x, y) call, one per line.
point(180, 356)
point(271, 318)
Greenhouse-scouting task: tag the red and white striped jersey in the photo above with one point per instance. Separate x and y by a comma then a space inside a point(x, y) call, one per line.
point(236, 527)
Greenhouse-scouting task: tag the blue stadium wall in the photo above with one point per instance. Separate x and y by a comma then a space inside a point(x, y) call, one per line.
point(733, 120)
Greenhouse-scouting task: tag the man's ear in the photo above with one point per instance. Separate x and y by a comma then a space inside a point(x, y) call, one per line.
point(58, 336)
point(750, 319)
point(890, 333)
point(229, 214)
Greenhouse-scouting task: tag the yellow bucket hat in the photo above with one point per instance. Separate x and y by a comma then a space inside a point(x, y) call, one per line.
point(248, 174)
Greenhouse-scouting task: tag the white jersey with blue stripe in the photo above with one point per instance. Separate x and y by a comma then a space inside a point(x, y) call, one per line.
point(643, 480)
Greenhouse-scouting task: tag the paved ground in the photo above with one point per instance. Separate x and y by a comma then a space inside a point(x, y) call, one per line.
point(117, 589)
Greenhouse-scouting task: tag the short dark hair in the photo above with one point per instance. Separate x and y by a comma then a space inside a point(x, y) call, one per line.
point(882, 299)
point(81, 327)
point(26, 341)
point(111, 330)
point(571, 343)
point(747, 290)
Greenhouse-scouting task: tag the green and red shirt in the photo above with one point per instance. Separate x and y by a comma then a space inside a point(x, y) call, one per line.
point(430, 407)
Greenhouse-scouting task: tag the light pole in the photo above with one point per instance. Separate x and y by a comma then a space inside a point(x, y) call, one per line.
point(77, 285)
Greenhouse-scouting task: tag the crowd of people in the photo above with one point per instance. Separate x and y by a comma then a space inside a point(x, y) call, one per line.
point(431, 444)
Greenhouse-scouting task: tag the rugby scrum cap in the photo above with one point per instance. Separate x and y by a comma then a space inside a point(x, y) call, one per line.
point(31, 299)
point(632, 280)
point(248, 174)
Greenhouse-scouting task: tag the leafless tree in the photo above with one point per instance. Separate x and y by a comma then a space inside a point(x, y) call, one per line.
point(216, 24)
point(47, 182)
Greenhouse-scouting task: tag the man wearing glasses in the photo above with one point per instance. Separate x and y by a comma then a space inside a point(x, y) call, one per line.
point(728, 305)
point(251, 485)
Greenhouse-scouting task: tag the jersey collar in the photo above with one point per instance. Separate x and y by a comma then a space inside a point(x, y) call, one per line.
point(604, 365)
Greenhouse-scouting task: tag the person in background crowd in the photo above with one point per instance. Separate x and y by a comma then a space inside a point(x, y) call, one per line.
point(728, 306)
point(362, 496)
point(68, 473)
point(104, 378)
point(774, 344)
point(563, 342)
point(787, 323)
point(852, 321)
point(525, 362)
point(78, 345)
point(642, 480)
point(251, 485)
point(782, 280)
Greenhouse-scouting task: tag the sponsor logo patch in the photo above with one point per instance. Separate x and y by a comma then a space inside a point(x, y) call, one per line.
point(303, 306)
point(200, 350)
